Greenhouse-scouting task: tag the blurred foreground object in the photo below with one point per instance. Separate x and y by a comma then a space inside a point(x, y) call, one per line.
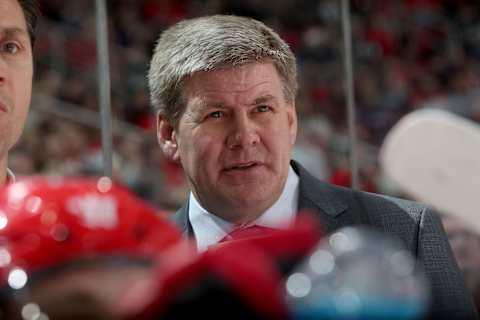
point(358, 273)
point(70, 247)
point(433, 156)
point(236, 279)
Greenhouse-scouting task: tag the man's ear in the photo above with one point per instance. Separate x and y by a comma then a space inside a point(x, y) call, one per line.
point(292, 122)
point(167, 138)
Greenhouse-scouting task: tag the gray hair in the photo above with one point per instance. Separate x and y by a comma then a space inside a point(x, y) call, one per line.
point(210, 43)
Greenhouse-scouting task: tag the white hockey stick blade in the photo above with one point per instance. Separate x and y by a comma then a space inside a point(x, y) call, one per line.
point(434, 156)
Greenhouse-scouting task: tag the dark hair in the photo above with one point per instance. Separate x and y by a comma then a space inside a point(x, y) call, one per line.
point(31, 12)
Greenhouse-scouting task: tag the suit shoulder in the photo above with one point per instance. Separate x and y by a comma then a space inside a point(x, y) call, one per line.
point(335, 199)
point(380, 202)
point(409, 206)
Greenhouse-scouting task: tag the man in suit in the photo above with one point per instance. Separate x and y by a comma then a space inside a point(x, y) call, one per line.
point(224, 90)
point(17, 25)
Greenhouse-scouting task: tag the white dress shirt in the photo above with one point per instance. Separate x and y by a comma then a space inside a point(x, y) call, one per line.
point(209, 229)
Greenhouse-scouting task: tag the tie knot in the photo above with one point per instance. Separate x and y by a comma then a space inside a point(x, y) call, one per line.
point(250, 232)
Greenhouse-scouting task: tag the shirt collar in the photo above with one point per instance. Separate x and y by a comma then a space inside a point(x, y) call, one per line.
point(209, 229)
point(10, 177)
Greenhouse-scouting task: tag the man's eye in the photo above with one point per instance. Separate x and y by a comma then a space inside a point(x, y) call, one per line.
point(215, 114)
point(263, 108)
point(10, 47)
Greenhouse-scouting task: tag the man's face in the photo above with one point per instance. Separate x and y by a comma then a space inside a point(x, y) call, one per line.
point(234, 139)
point(16, 71)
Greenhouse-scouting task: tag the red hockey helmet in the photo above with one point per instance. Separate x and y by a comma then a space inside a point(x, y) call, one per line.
point(47, 221)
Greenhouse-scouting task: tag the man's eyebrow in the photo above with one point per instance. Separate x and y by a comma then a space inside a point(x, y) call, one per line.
point(206, 104)
point(212, 104)
point(264, 99)
point(11, 32)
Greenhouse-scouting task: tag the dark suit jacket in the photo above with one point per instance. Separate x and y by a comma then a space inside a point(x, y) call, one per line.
point(414, 224)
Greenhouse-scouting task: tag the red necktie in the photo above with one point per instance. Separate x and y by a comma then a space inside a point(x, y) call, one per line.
point(250, 232)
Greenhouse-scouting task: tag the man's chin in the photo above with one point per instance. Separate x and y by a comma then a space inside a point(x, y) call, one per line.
point(245, 207)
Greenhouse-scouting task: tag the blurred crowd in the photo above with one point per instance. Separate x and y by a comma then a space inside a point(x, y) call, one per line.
point(408, 54)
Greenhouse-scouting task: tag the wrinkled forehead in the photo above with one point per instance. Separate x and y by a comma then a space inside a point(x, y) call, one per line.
point(258, 78)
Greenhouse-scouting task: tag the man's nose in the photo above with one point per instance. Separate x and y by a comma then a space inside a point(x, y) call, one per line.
point(243, 133)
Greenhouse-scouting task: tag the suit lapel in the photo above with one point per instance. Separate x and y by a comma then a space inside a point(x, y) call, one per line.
point(334, 206)
point(319, 199)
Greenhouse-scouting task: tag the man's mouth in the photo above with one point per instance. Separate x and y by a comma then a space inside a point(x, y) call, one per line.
point(242, 166)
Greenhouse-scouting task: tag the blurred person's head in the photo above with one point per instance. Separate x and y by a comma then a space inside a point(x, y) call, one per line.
point(17, 24)
point(224, 89)
point(73, 246)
